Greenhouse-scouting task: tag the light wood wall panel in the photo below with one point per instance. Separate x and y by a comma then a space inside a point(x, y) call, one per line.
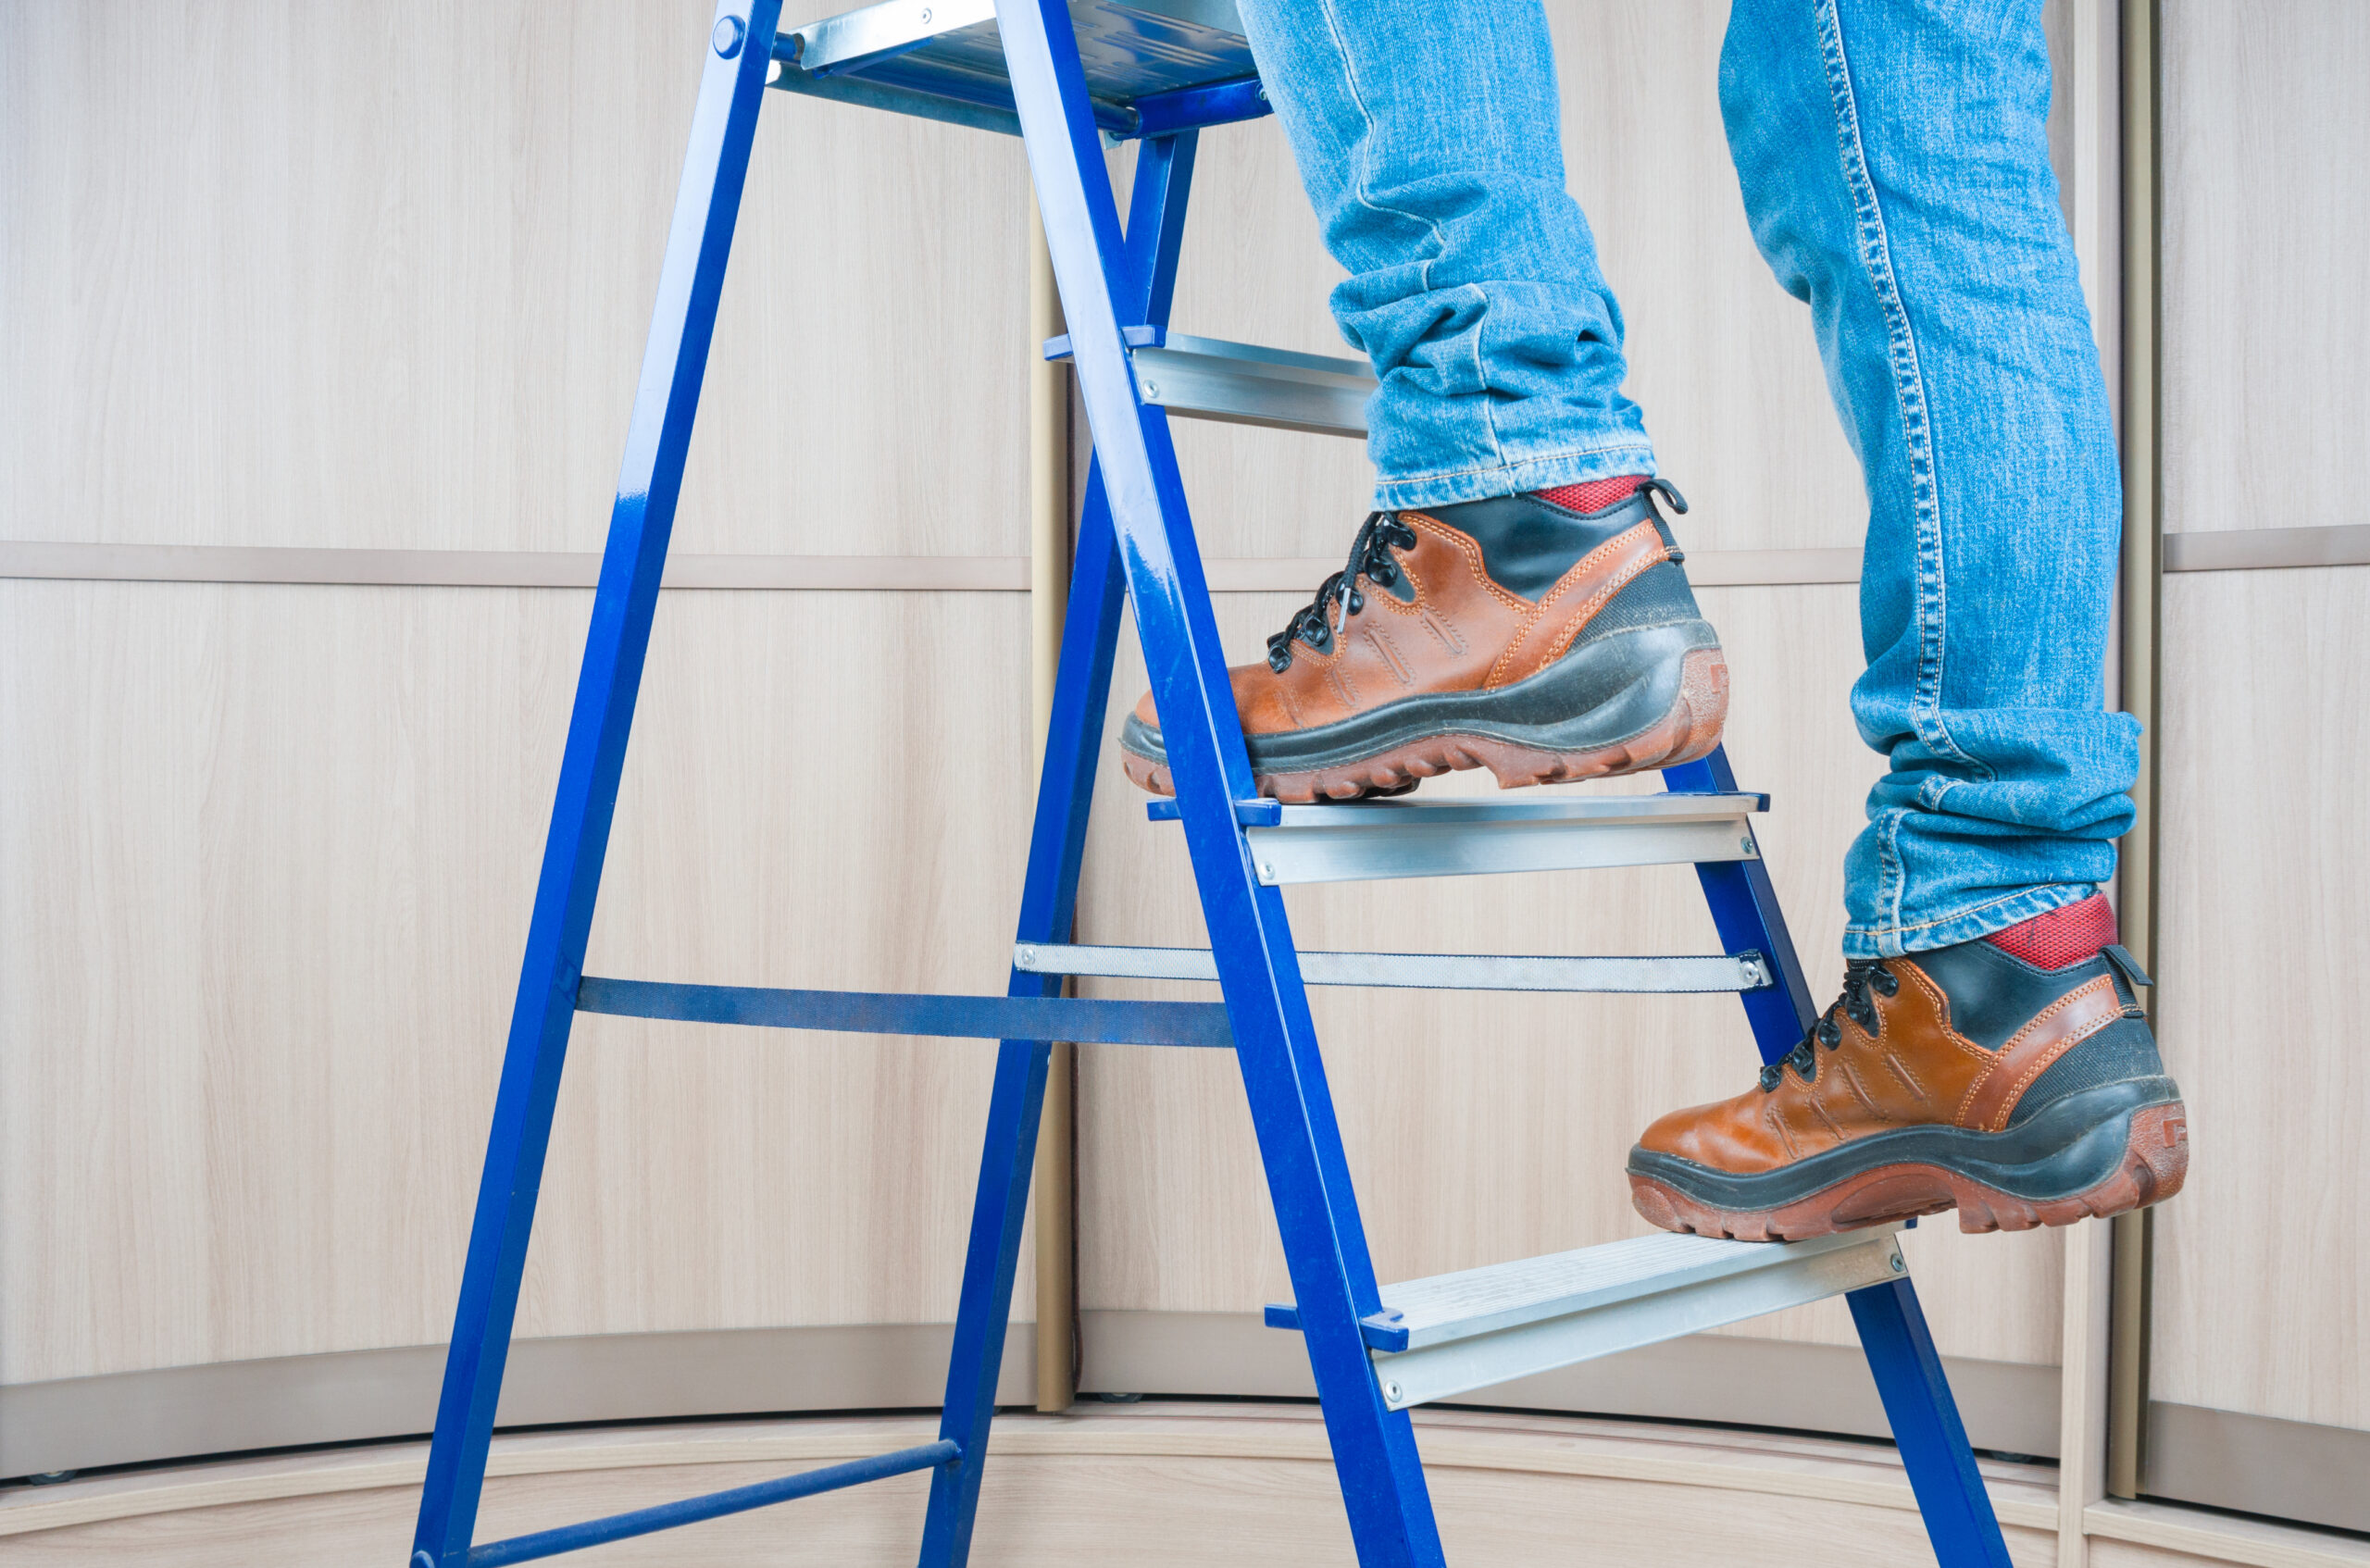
point(266, 857)
point(2262, 1292)
point(1485, 1128)
point(1722, 361)
point(298, 275)
point(2266, 222)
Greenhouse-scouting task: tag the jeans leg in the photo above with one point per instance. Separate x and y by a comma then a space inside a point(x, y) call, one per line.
point(1894, 159)
point(1426, 133)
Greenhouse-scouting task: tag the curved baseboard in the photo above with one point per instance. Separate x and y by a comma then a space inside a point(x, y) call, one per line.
point(360, 1396)
point(1233, 1486)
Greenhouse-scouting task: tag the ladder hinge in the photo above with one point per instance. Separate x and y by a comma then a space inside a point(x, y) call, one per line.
point(1134, 337)
point(1260, 813)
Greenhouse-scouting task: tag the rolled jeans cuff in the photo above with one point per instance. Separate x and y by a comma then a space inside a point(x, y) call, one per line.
point(1962, 925)
point(1575, 465)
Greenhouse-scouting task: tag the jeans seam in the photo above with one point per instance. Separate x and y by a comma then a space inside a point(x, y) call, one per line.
point(1358, 189)
point(1625, 444)
point(1909, 392)
point(1896, 928)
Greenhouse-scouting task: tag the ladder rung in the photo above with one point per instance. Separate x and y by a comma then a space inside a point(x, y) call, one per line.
point(1452, 1333)
point(714, 1505)
point(1374, 840)
point(1420, 971)
point(1240, 384)
point(1091, 1021)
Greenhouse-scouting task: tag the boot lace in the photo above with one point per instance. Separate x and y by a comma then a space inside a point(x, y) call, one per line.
point(1370, 556)
point(1861, 975)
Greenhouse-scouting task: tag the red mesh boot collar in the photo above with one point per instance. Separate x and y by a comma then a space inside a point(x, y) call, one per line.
point(2062, 936)
point(1594, 495)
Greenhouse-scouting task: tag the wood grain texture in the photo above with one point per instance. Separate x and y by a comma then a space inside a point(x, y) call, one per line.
point(310, 278)
point(2261, 1293)
point(1188, 1486)
point(2265, 221)
point(1486, 1128)
point(266, 856)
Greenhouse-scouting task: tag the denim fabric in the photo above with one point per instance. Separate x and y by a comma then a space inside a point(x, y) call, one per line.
point(1894, 160)
point(1427, 134)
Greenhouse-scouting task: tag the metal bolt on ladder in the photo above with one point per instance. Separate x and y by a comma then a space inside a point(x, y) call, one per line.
point(1062, 76)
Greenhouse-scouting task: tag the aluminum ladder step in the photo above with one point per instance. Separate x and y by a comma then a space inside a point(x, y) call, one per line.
point(1243, 384)
point(1378, 841)
point(1153, 67)
point(1454, 1333)
point(1416, 971)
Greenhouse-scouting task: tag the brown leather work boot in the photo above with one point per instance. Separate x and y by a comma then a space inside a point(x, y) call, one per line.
point(2013, 1077)
point(1514, 634)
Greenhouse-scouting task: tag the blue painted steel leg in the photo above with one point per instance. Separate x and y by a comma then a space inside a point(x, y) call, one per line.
point(1925, 1425)
point(731, 88)
point(1908, 1371)
point(1374, 1449)
point(1048, 897)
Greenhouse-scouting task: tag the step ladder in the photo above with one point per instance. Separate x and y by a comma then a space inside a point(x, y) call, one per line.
point(1065, 74)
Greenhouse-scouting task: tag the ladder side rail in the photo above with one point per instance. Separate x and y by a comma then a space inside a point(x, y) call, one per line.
point(1926, 1426)
point(1745, 911)
point(1902, 1357)
point(1374, 1448)
point(732, 87)
point(1049, 901)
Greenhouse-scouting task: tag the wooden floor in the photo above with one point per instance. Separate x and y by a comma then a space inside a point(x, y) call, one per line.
point(1246, 1486)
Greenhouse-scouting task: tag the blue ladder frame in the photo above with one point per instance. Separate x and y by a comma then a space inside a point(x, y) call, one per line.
point(1136, 539)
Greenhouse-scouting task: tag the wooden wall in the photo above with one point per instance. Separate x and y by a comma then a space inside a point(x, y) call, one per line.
point(347, 281)
point(2262, 1297)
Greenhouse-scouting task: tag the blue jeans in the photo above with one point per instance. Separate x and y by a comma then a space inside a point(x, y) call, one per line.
point(1894, 160)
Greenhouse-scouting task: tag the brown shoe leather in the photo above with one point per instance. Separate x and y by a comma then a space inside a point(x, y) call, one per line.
point(1536, 642)
point(1964, 1077)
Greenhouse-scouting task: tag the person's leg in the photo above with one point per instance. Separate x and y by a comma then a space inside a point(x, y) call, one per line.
point(1895, 164)
point(1518, 605)
point(1426, 135)
point(1988, 1053)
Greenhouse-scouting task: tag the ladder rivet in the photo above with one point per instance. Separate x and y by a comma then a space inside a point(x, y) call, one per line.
point(1745, 844)
point(1393, 1392)
point(727, 35)
point(1151, 390)
point(1898, 1265)
point(925, 13)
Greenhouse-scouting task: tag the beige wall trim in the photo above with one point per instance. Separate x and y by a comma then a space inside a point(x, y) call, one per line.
point(1717, 1378)
point(2222, 551)
point(503, 568)
point(2217, 1538)
point(886, 574)
point(2257, 1464)
point(2249, 549)
point(232, 1407)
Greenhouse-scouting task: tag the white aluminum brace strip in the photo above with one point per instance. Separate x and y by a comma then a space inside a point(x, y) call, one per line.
point(875, 30)
point(1374, 840)
point(1490, 1325)
point(1417, 971)
point(1240, 384)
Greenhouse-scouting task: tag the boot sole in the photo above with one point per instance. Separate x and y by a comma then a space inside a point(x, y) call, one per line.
point(2154, 1163)
point(1688, 729)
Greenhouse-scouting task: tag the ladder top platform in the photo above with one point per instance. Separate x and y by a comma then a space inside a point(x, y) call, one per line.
point(1152, 66)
